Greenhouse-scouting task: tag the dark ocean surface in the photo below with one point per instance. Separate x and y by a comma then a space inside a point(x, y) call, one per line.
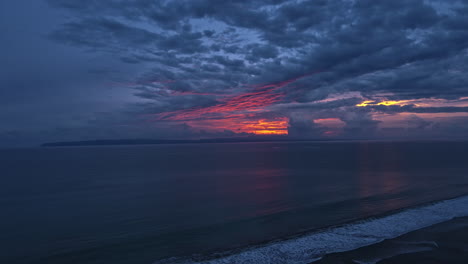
point(182, 203)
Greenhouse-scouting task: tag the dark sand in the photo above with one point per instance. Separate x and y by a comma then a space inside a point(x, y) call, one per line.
point(445, 243)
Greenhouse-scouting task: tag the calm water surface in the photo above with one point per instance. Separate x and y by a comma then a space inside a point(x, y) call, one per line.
point(139, 204)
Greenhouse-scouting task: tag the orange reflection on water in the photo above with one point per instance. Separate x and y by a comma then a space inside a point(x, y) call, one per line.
point(259, 187)
point(268, 193)
point(380, 177)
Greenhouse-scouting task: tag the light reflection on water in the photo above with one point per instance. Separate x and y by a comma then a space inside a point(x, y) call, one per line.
point(138, 202)
point(380, 176)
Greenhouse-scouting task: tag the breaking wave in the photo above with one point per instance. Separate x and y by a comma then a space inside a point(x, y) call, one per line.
point(313, 246)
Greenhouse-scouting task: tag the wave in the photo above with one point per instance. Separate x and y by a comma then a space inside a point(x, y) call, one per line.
point(313, 246)
point(394, 248)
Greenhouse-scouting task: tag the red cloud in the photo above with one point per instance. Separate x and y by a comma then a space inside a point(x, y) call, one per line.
point(237, 113)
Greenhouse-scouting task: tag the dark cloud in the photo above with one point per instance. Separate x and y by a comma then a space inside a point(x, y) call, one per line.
point(360, 125)
point(188, 55)
point(103, 33)
point(262, 52)
point(414, 109)
point(304, 128)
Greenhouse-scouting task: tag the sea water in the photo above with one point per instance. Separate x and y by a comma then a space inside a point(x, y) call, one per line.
point(222, 203)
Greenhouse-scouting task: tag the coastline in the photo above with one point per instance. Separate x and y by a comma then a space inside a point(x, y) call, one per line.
point(331, 245)
point(445, 242)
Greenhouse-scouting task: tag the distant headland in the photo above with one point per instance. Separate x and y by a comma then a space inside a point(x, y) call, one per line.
point(109, 142)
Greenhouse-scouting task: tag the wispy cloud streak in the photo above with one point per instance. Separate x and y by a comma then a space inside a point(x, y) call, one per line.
point(253, 101)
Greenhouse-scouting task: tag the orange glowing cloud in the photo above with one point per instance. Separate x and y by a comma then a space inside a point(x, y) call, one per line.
point(366, 103)
point(278, 126)
point(245, 102)
point(239, 124)
point(421, 102)
point(238, 112)
point(262, 96)
point(386, 103)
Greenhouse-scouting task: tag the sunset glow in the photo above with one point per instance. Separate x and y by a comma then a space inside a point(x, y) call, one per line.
point(241, 124)
point(386, 103)
point(366, 103)
point(240, 113)
point(277, 126)
point(218, 69)
point(420, 102)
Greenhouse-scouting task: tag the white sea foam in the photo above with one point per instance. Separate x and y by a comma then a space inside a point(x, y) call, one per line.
point(343, 238)
point(395, 249)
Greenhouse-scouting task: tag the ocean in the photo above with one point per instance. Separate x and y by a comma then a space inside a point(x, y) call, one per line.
point(269, 202)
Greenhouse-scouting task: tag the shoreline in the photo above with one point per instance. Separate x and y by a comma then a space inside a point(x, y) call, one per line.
point(314, 245)
point(445, 242)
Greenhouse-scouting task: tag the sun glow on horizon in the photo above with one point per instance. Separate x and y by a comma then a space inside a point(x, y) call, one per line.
point(244, 124)
point(239, 113)
point(278, 126)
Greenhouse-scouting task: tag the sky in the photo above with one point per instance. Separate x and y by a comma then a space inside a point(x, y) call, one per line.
point(190, 69)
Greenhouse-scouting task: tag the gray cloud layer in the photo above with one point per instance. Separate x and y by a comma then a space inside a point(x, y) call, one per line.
point(405, 49)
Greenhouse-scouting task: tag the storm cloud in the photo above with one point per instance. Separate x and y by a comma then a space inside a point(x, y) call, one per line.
point(229, 68)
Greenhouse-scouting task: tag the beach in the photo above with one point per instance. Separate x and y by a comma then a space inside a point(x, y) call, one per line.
point(445, 242)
